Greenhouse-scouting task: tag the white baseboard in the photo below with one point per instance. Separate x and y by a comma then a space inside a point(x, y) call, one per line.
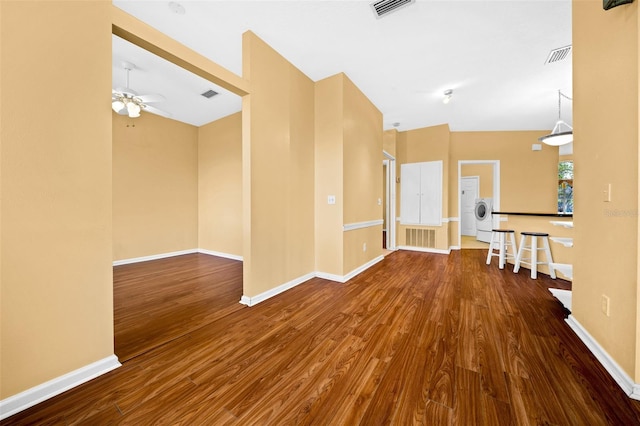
point(453, 248)
point(347, 277)
point(254, 300)
point(176, 253)
point(19, 402)
point(425, 250)
point(153, 257)
point(220, 254)
point(331, 277)
point(622, 379)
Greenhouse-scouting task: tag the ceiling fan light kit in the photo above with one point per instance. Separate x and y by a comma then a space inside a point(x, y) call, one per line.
point(126, 101)
point(558, 135)
point(447, 96)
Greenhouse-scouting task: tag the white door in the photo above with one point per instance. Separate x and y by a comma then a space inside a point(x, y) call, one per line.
point(469, 187)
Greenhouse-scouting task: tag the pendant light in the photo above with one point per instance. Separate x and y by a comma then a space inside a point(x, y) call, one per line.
point(562, 133)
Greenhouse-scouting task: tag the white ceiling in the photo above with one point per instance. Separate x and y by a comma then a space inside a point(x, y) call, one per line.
point(491, 53)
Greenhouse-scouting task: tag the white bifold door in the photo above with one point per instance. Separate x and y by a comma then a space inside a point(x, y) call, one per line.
point(421, 193)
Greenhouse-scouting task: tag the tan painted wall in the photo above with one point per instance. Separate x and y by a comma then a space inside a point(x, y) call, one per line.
point(528, 179)
point(329, 110)
point(362, 165)
point(389, 141)
point(220, 185)
point(605, 151)
point(278, 163)
point(348, 165)
point(155, 186)
point(485, 174)
point(415, 146)
point(56, 284)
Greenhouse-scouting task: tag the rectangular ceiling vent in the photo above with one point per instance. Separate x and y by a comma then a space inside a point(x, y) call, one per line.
point(384, 7)
point(209, 94)
point(557, 55)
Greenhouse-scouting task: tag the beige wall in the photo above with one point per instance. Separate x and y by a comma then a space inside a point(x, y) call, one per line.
point(278, 164)
point(389, 141)
point(329, 112)
point(528, 179)
point(220, 185)
point(56, 284)
point(349, 166)
point(155, 186)
point(415, 146)
point(484, 172)
point(362, 165)
point(605, 125)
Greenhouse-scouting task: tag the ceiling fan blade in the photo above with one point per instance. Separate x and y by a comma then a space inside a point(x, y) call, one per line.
point(157, 111)
point(151, 98)
point(125, 91)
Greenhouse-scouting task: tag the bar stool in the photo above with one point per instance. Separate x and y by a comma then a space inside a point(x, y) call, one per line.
point(499, 242)
point(533, 249)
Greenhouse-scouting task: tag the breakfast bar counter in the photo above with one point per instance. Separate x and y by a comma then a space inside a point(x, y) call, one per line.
point(559, 226)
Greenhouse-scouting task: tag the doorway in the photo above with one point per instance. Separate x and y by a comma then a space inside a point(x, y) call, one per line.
point(469, 192)
point(494, 189)
point(389, 201)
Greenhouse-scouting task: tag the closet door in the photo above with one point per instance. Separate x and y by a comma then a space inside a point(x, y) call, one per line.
point(421, 193)
point(431, 193)
point(410, 193)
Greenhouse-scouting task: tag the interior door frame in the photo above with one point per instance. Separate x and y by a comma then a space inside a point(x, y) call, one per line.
point(390, 206)
point(477, 179)
point(496, 190)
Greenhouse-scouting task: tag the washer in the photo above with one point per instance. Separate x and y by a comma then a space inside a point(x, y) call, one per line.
point(484, 220)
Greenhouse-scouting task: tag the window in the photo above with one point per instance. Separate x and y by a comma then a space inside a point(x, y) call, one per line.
point(565, 187)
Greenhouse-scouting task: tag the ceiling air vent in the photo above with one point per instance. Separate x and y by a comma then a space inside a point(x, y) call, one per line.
point(209, 94)
point(558, 54)
point(384, 7)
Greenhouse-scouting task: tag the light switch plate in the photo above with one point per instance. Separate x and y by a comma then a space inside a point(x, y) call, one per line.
point(331, 199)
point(606, 192)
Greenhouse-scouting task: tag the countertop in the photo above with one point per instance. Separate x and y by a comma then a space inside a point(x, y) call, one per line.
point(567, 215)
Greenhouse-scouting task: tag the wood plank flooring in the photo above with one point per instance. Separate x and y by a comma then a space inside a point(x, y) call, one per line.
point(417, 339)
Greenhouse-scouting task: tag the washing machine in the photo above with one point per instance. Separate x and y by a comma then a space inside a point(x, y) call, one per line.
point(484, 219)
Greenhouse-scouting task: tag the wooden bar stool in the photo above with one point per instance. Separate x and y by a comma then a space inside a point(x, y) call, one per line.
point(533, 249)
point(499, 242)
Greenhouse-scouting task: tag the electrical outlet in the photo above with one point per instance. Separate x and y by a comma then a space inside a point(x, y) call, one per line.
point(331, 199)
point(606, 302)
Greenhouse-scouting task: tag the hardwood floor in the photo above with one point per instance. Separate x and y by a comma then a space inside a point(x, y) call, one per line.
point(416, 339)
point(158, 301)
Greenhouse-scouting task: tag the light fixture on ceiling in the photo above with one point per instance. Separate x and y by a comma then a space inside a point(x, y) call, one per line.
point(177, 8)
point(447, 96)
point(562, 133)
point(126, 101)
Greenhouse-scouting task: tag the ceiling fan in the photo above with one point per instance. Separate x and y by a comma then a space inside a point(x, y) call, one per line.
point(126, 101)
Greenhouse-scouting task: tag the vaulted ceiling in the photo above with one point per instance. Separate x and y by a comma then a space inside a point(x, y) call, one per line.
point(492, 54)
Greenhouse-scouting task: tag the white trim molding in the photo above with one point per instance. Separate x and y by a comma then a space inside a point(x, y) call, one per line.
point(254, 300)
point(454, 219)
point(617, 373)
point(37, 394)
point(347, 277)
point(153, 257)
point(220, 254)
point(425, 249)
point(360, 225)
point(176, 253)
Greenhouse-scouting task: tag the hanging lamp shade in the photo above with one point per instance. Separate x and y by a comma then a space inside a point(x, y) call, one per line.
point(562, 133)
